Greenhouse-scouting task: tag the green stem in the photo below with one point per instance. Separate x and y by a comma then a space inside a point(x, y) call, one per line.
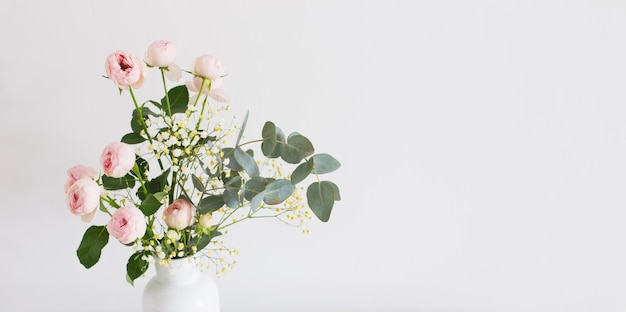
point(141, 121)
point(143, 184)
point(167, 97)
point(203, 102)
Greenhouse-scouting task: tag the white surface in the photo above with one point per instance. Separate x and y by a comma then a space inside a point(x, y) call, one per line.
point(483, 146)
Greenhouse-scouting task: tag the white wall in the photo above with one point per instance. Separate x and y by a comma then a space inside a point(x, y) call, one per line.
point(483, 146)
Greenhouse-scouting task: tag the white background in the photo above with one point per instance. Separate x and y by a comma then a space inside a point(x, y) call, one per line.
point(483, 146)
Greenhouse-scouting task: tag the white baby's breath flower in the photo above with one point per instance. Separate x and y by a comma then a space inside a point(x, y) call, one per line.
point(175, 168)
point(177, 152)
point(171, 141)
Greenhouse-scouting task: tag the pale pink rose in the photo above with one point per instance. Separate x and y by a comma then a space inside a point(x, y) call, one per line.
point(117, 159)
point(161, 53)
point(127, 224)
point(173, 72)
point(179, 214)
point(216, 91)
point(83, 198)
point(208, 66)
point(125, 69)
point(78, 172)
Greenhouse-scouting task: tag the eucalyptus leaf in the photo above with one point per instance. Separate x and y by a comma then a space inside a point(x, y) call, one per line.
point(321, 197)
point(297, 148)
point(254, 186)
point(210, 204)
point(198, 184)
point(277, 191)
point(90, 248)
point(269, 138)
point(231, 198)
point(247, 162)
point(325, 163)
point(243, 128)
point(302, 171)
point(281, 141)
point(256, 201)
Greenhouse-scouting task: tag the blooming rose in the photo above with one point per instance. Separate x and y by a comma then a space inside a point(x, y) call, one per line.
point(216, 91)
point(78, 172)
point(117, 159)
point(179, 214)
point(127, 224)
point(125, 69)
point(208, 66)
point(161, 53)
point(83, 198)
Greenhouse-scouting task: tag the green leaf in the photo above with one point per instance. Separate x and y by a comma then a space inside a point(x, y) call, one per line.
point(135, 123)
point(277, 191)
point(150, 205)
point(136, 266)
point(126, 181)
point(269, 138)
point(203, 241)
point(90, 248)
point(210, 204)
point(246, 161)
point(297, 148)
point(132, 138)
point(302, 171)
point(321, 197)
point(325, 163)
point(179, 99)
point(159, 183)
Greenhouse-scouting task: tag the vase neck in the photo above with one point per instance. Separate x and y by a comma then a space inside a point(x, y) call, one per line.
point(178, 272)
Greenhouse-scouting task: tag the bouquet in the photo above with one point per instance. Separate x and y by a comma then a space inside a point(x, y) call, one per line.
point(172, 186)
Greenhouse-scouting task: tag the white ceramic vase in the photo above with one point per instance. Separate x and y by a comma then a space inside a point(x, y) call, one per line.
point(181, 286)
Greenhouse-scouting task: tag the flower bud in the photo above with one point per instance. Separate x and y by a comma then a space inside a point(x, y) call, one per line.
point(161, 53)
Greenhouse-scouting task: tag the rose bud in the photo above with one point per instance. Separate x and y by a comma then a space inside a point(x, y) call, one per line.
point(161, 53)
point(179, 214)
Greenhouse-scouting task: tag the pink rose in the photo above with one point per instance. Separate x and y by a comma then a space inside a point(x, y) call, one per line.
point(127, 224)
point(216, 91)
point(161, 53)
point(78, 172)
point(117, 159)
point(179, 214)
point(208, 66)
point(125, 69)
point(83, 198)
